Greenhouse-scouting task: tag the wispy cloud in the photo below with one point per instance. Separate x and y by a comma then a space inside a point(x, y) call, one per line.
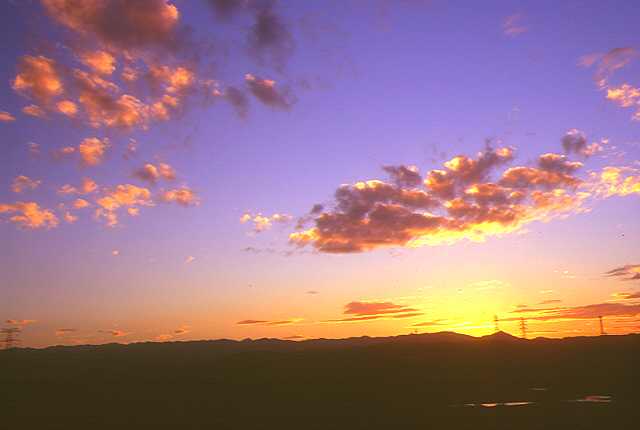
point(513, 25)
point(371, 310)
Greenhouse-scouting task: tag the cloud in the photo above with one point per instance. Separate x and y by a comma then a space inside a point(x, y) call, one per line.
point(269, 38)
point(81, 204)
point(625, 95)
point(92, 150)
point(152, 173)
point(616, 181)
point(607, 64)
point(38, 79)
point(265, 91)
point(238, 100)
point(20, 322)
point(189, 259)
point(29, 215)
point(578, 312)
point(367, 311)
point(269, 323)
point(23, 183)
point(34, 111)
point(513, 26)
point(469, 199)
point(119, 24)
point(69, 217)
point(100, 62)
point(403, 176)
point(64, 331)
point(262, 223)
point(184, 196)
point(122, 196)
point(88, 186)
point(628, 272)
point(115, 332)
point(6, 117)
point(458, 202)
point(627, 296)
point(575, 141)
point(67, 107)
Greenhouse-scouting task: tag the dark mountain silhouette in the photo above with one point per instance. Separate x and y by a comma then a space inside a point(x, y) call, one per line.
point(438, 380)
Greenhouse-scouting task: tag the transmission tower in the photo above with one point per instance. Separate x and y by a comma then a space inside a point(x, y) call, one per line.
point(523, 327)
point(495, 321)
point(10, 339)
point(602, 332)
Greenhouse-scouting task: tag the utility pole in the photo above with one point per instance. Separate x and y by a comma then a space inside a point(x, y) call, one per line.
point(602, 332)
point(10, 337)
point(523, 327)
point(495, 321)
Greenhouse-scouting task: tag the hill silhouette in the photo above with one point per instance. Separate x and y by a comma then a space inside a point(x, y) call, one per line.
point(441, 380)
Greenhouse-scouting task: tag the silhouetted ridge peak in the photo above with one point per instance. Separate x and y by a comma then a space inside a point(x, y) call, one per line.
point(500, 336)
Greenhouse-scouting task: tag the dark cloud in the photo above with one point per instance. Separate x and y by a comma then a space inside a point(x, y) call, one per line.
point(367, 311)
point(558, 163)
point(574, 141)
point(225, 9)
point(627, 272)
point(579, 312)
point(265, 91)
point(404, 176)
point(269, 38)
point(238, 100)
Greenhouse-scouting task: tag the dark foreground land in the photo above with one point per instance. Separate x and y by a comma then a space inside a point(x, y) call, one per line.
point(406, 382)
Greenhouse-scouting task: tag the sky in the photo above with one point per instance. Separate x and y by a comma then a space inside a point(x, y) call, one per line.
point(184, 170)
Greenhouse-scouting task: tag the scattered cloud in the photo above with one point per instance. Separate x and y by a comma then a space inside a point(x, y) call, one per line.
point(189, 259)
point(34, 111)
point(29, 215)
point(6, 117)
point(184, 196)
point(153, 173)
point(264, 222)
point(23, 183)
point(92, 150)
point(627, 296)
point(64, 331)
point(625, 95)
point(38, 79)
point(122, 196)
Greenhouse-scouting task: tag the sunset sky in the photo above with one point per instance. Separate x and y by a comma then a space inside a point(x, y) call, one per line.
point(180, 170)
